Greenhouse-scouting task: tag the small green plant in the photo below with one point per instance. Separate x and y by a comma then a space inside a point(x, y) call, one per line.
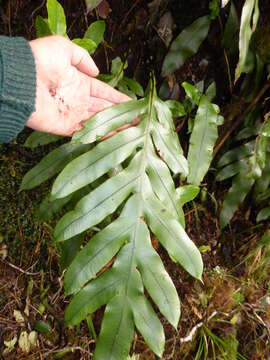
point(222, 349)
point(258, 259)
point(248, 164)
point(186, 44)
point(247, 159)
point(56, 25)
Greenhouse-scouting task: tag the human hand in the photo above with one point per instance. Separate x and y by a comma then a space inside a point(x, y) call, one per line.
point(67, 92)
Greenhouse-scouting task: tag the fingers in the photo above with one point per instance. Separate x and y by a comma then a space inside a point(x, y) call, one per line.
point(83, 61)
point(99, 89)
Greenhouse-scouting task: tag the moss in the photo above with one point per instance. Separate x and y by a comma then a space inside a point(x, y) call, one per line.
point(21, 231)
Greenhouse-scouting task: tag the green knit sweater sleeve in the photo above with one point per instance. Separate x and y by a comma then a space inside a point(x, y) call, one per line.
point(17, 86)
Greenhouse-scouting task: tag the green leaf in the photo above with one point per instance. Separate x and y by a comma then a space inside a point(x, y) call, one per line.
point(231, 32)
point(97, 293)
point(265, 239)
point(249, 131)
point(168, 152)
point(94, 207)
point(241, 186)
point(56, 17)
point(97, 162)
point(38, 138)
point(211, 91)
point(42, 27)
point(173, 237)
point(48, 207)
point(123, 87)
point(51, 164)
point(87, 44)
point(202, 141)
point(214, 9)
point(232, 170)
point(186, 45)
point(95, 31)
point(177, 109)
point(108, 120)
point(263, 196)
point(116, 332)
point(264, 214)
point(118, 66)
point(163, 185)
point(156, 279)
point(192, 92)
point(97, 253)
point(117, 74)
point(263, 182)
point(68, 250)
point(148, 324)
point(42, 327)
point(238, 153)
point(107, 78)
point(134, 86)
point(187, 193)
point(164, 116)
point(249, 19)
point(263, 143)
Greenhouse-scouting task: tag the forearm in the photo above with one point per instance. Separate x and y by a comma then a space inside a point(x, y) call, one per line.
point(17, 86)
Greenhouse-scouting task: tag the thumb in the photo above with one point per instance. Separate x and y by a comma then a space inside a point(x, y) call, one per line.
point(83, 61)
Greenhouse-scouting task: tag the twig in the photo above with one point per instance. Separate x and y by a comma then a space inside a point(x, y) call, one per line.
point(127, 14)
point(193, 331)
point(226, 58)
point(19, 269)
point(34, 12)
point(68, 349)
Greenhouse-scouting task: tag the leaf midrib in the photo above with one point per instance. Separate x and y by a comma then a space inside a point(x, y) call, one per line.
point(169, 150)
point(165, 295)
point(205, 128)
point(173, 236)
point(168, 193)
point(142, 172)
point(100, 203)
point(97, 253)
point(108, 120)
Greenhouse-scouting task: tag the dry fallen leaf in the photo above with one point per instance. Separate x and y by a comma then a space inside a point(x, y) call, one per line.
point(9, 344)
point(18, 316)
point(33, 336)
point(24, 342)
point(91, 4)
point(104, 9)
point(3, 248)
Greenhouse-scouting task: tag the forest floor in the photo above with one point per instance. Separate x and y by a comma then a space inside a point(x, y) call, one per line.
point(231, 309)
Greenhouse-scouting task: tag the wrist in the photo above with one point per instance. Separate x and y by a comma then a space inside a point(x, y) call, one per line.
point(18, 86)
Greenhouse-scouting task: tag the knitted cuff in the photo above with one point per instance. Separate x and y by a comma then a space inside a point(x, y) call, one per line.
point(17, 86)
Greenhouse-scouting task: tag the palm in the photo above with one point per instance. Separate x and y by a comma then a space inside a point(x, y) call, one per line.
point(67, 92)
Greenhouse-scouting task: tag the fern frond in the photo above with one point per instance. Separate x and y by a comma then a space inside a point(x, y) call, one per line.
point(145, 192)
